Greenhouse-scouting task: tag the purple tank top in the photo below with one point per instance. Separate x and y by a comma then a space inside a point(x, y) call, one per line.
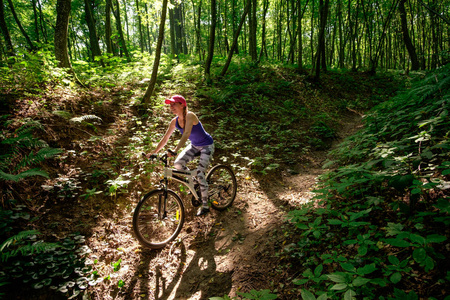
point(199, 137)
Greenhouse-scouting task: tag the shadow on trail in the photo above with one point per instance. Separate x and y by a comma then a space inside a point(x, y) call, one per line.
point(201, 275)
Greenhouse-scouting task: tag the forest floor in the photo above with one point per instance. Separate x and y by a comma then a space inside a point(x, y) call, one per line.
point(222, 253)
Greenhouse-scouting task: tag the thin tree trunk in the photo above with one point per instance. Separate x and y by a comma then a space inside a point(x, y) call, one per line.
point(212, 37)
point(173, 45)
point(42, 24)
point(320, 54)
point(5, 31)
point(177, 24)
point(374, 59)
point(108, 31)
point(19, 24)
point(151, 85)
point(93, 39)
point(407, 39)
point(263, 34)
point(252, 31)
point(36, 23)
point(141, 36)
point(119, 29)
point(235, 40)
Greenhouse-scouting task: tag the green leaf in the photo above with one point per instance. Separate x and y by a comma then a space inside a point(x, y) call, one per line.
point(398, 243)
point(336, 278)
point(334, 222)
point(436, 238)
point(348, 267)
point(362, 250)
point(359, 281)
point(396, 277)
point(417, 239)
point(429, 264)
point(339, 287)
point(302, 226)
point(367, 269)
point(307, 295)
point(420, 255)
point(323, 297)
point(318, 270)
point(393, 260)
point(349, 295)
point(394, 229)
point(300, 281)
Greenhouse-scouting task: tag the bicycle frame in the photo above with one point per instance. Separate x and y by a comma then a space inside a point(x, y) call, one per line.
point(184, 177)
point(187, 179)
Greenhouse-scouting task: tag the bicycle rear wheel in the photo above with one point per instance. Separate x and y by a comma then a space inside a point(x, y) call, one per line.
point(156, 223)
point(222, 187)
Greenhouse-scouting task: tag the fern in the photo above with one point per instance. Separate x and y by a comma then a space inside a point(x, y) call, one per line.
point(24, 249)
point(22, 175)
point(37, 158)
point(13, 145)
point(18, 237)
point(86, 118)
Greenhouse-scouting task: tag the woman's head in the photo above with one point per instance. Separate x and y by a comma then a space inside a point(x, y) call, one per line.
point(176, 99)
point(178, 106)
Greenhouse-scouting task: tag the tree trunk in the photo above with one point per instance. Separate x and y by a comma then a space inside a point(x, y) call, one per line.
point(141, 36)
point(19, 24)
point(119, 29)
point(93, 39)
point(173, 45)
point(252, 24)
point(341, 37)
point(212, 37)
point(108, 31)
point(407, 39)
point(320, 54)
point(235, 40)
point(263, 34)
point(149, 40)
point(375, 57)
point(63, 8)
point(36, 23)
point(42, 25)
point(151, 85)
point(178, 24)
point(5, 31)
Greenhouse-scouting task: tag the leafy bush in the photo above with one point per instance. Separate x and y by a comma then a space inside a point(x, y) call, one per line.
point(385, 211)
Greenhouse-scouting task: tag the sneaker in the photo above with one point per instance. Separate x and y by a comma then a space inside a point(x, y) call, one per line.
point(202, 211)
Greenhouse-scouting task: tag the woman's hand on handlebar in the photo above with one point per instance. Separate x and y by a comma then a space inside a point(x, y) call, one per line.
point(171, 153)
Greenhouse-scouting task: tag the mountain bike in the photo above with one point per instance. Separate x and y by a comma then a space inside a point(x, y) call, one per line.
point(159, 216)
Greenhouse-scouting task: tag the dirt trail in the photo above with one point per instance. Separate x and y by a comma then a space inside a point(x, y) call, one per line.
point(220, 254)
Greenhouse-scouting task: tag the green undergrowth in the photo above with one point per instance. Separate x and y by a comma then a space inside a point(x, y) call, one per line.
point(263, 117)
point(381, 231)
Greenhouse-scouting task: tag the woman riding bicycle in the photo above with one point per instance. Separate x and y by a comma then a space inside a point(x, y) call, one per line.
point(202, 144)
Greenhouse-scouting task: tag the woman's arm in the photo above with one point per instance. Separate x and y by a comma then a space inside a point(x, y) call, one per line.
point(166, 136)
point(191, 119)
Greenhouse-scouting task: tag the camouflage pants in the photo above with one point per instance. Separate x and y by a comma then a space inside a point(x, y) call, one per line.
point(188, 154)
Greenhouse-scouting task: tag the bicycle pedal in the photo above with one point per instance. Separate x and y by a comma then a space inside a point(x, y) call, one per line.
point(195, 202)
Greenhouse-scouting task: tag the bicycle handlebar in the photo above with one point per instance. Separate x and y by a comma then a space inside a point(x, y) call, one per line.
point(162, 158)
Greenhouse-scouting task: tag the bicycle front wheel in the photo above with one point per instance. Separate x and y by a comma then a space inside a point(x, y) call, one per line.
point(158, 218)
point(222, 187)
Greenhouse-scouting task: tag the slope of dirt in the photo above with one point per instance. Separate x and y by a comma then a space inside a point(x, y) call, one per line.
point(222, 253)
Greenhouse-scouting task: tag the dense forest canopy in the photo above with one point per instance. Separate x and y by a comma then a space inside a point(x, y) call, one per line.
point(352, 34)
